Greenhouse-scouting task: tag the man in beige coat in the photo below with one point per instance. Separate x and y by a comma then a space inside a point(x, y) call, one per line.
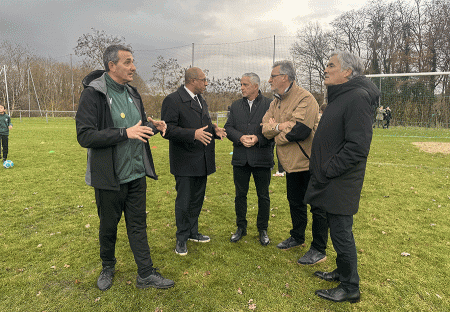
point(292, 120)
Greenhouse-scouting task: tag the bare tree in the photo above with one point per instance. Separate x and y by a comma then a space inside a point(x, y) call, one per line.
point(92, 46)
point(167, 76)
point(311, 54)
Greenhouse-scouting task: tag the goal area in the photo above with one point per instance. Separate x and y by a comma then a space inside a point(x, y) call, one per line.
point(416, 99)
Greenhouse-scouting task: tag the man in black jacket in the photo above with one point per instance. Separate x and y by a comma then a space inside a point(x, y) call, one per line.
point(338, 164)
point(110, 124)
point(252, 154)
point(191, 153)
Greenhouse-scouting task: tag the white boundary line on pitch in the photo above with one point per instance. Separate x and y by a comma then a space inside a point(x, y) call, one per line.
point(407, 166)
point(410, 136)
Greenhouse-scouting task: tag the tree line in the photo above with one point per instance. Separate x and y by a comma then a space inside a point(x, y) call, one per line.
point(392, 37)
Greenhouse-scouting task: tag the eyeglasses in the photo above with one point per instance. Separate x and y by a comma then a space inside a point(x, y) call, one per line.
point(273, 76)
point(204, 79)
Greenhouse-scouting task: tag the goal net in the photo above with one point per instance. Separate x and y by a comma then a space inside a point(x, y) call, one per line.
point(416, 99)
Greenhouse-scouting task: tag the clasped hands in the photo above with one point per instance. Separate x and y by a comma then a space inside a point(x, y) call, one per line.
point(205, 137)
point(249, 140)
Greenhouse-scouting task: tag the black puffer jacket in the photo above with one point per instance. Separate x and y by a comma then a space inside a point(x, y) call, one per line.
point(96, 132)
point(341, 146)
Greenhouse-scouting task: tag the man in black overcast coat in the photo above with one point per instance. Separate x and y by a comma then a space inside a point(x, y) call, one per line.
point(252, 154)
point(338, 164)
point(191, 153)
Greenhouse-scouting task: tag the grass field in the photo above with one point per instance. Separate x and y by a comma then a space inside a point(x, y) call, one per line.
point(49, 234)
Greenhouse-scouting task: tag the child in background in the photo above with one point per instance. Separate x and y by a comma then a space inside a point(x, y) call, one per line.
point(5, 126)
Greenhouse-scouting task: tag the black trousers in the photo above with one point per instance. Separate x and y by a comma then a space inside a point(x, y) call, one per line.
point(296, 185)
point(261, 176)
point(344, 244)
point(188, 205)
point(4, 142)
point(131, 200)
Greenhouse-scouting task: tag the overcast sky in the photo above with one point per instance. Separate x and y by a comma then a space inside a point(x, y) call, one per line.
point(52, 27)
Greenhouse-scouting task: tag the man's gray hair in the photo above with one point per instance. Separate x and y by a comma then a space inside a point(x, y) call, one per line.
point(350, 61)
point(254, 78)
point(286, 68)
point(111, 54)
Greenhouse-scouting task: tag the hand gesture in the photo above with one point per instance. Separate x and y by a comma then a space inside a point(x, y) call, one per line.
point(220, 132)
point(139, 132)
point(159, 124)
point(203, 136)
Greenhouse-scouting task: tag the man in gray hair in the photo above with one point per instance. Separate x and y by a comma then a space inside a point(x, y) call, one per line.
point(292, 121)
point(252, 155)
point(338, 164)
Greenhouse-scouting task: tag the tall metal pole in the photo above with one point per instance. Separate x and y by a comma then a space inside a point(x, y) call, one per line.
point(192, 54)
point(73, 95)
point(29, 96)
point(273, 49)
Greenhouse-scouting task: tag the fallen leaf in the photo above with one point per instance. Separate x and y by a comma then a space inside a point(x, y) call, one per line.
point(207, 273)
point(66, 265)
point(258, 267)
point(97, 299)
point(77, 282)
point(87, 226)
point(438, 296)
point(186, 273)
point(39, 293)
point(251, 300)
point(405, 254)
point(53, 267)
point(252, 306)
point(432, 224)
point(287, 285)
point(273, 216)
point(129, 282)
point(239, 291)
point(383, 232)
point(40, 245)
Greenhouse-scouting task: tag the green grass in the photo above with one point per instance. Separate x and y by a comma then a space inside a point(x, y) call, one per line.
point(49, 234)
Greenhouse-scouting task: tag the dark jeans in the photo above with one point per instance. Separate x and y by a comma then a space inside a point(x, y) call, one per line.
point(344, 244)
point(296, 185)
point(4, 142)
point(188, 205)
point(131, 200)
point(261, 176)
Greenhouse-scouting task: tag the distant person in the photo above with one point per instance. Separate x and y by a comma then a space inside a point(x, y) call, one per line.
point(280, 171)
point(5, 126)
point(338, 164)
point(252, 155)
point(292, 121)
point(387, 117)
point(191, 153)
point(380, 116)
point(111, 124)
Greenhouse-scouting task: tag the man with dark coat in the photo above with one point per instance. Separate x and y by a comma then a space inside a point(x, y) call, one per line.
point(191, 153)
point(111, 124)
point(338, 164)
point(252, 154)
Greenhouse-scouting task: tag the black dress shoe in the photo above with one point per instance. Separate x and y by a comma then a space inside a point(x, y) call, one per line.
point(240, 232)
point(338, 294)
point(264, 238)
point(328, 276)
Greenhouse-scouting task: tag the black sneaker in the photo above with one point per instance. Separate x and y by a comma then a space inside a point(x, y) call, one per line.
point(312, 257)
point(154, 280)
point(181, 248)
point(199, 238)
point(289, 243)
point(104, 281)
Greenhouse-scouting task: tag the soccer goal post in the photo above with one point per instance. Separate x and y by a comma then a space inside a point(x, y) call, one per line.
point(416, 99)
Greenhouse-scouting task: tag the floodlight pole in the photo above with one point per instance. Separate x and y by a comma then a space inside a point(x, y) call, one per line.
point(6, 86)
